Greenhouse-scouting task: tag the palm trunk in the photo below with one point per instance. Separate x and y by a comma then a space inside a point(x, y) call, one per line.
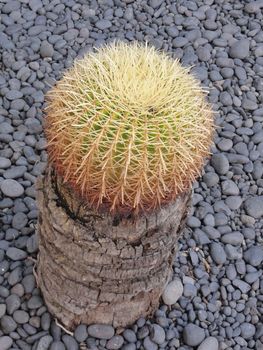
point(96, 268)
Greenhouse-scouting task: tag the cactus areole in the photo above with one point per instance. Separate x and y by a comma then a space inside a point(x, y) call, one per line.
point(128, 130)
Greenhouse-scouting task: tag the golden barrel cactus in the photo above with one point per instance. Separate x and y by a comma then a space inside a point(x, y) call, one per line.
point(128, 128)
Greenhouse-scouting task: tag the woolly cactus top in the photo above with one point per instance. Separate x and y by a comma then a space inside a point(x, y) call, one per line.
point(128, 128)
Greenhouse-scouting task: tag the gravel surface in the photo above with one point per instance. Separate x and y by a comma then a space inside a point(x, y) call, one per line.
point(218, 269)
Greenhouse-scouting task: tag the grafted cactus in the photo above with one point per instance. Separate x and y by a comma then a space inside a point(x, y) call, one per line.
point(128, 128)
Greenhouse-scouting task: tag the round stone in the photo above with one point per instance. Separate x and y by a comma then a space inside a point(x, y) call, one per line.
point(115, 342)
point(35, 302)
point(5, 342)
point(16, 254)
point(220, 163)
point(57, 345)
point(254, 206)
point(217, 253)
point(20, 316)
point(149, 345)
point(11, 188)
point(157, 334)
point(44, 342)
point(210, 179)
point(2, 310)
point(254, 255)
point(70, 342)
point(229, 188)
point(4, 163)
point(247, 330)
point(240, 49)
point(130, 335)
point(172, 292)
point(210, 343)
point(12, 303)
point(103, 24)
point(233, 202)
point(101, 331)
point(80, 333)
point(7, 324)
point(193, 335)
point(46, 49)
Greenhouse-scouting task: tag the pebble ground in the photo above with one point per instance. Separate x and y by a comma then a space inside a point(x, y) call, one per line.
point(215, 299)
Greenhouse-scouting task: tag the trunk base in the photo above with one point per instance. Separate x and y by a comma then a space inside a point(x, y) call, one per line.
point(94, 269)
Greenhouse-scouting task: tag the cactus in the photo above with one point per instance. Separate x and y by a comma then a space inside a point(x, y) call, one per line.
point(128, 128)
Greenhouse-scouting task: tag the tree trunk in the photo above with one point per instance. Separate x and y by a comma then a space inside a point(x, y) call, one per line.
point(98, 268)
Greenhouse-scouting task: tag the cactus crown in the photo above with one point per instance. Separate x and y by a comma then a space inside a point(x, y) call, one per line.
point(128, 128)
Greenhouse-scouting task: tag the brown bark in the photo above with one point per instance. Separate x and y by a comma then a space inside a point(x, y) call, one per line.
point(97, 268)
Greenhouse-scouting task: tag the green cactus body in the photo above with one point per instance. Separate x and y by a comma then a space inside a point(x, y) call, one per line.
point(128, 128)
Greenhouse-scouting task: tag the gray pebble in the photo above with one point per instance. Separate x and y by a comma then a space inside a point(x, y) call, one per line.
point(15, 172)
point(35, 302)
point(233, 202)
point(247, 330)
point(19, 221)
point(240, 49)
point(101, 331)
point(70, 342)
point(11, 5)
point(5, 342)
point(217, 253)
point(115, 342)
point(229, 188)
point(129, 347)
point(253, 6)
point(254, 206)
point(172, 292)
point(5, 43)
point(21, 317)
point(16, 254)
point(157, 334)
point(57, 345)
point(8, 325)
point(4, 163)
point(149, 345)
point(155, 3)
point(189, 290)
point(130, 335)
point(248, 104)
point(81, 333)
point(29, 283)
point(193, 335)
point(35, 5)
point(13, 95)
point(6, 128)
point(210, 343)
point(179, 41)
point(203, 53)
point(243, 286)
point(103, 24)
point(220, 163)
point(46, 49)
point(210, 179)
point(254, 255)
point(234, 238)
point(232, 252)
point(15, 276)
point(45, 321)
point(12, 303)
point(44, 342)
point(2, 310)
point(11, 188)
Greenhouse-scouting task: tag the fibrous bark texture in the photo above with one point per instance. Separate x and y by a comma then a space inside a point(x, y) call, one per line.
point(98, 268)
